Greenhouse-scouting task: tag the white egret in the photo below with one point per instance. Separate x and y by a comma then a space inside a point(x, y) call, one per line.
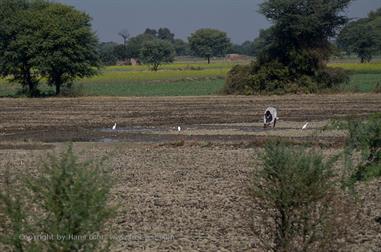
point(305, 126)
point(178, 128)
point(114, 127)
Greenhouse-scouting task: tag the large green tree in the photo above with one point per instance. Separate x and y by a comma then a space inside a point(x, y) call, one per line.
point(157, 51)
point(135, 44)
point(166, 34)
point(362, 37)
point(209, 43)
point(301, 31)
point(18, 43)
point(44, 39)
point(67, 45)
point(295, 49)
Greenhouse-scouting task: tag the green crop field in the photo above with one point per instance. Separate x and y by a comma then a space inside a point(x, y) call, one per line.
point(185, 78)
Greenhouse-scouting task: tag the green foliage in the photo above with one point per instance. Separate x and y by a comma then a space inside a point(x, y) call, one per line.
point(209, 43)
point(67, 46)
point(135, 45)
point(246, 48)
point(262, 42)
point(151, 32)
point(294, 188)
point(274, 77)
point(181, 47)
point(292, 54)
point(49, 40)
point(18, 45)
point(364, 137)
point(331, 77)
point(13, 218)
point(362, 37)
point(166, 34)
point(108, 53)
point(156, 52)
point(67, 199)
point(299, 36)
point(238, 75)
point(271, 77)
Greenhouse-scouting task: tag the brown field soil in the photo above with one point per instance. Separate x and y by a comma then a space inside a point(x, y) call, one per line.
point(186, 190)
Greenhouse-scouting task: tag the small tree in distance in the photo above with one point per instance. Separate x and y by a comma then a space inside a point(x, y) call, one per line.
point(362, 37)
point(156, 52)
point(209, 43)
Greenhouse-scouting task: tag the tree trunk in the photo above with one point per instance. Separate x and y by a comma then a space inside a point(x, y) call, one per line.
point(32, 88)
point(208, 60)
point(28, 80)
point(58, 88)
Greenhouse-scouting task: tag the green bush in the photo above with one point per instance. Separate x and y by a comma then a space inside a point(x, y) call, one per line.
point(270, 77)
point(364, 136)
point(294, 188)
point(238, 80)
point(331, 77)
point(72, 90)
point(276, 78)
point(66, 202)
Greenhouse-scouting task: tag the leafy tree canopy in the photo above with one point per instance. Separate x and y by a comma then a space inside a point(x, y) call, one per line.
point(209, 43)
point(44, 39)
point(157, 51)
point(67, 45)
point(362, 37)
point(293, 52)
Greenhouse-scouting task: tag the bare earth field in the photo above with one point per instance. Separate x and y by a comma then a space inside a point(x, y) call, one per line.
point(186, 190)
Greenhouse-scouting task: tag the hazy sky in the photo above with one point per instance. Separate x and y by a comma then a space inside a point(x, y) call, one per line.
point(239, 18)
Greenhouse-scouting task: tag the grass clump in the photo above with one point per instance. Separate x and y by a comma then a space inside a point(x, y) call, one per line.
point(295, 189)
point(64, 208)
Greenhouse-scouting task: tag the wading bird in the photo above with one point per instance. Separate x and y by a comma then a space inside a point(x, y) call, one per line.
point(178, 128)
point(304, 126)
point(114, 127)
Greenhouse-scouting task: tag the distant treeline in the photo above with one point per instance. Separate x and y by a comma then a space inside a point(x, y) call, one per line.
point(130, 47)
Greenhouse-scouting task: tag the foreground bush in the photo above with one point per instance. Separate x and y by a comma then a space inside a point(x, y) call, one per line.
point(65, 205)
point(364, 136)
point(295, 190)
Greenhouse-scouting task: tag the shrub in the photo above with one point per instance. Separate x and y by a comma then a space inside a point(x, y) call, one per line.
point(238, 80)
point(364, 136)
point(270, 77)
point(276, 78)
point(68, 199)
point(72, 90)
point(295, 189)
point(331, 77)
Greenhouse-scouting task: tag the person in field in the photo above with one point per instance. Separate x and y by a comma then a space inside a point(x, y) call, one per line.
point(270, 117)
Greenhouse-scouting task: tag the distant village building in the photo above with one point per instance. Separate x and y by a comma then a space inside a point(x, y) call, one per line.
point(129, 62)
